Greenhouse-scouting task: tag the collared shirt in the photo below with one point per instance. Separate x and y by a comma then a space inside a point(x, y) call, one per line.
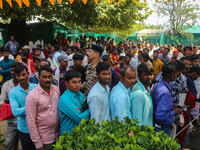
point(42, 115)
point(53, 63)
point(166, 59)
point(157, 67)
point(7, 86)
point(162, 104)
point(98, 101)
point(69, 115)
point(120, 104)
point(17, 98)
point(142, 106)
point(5, 65)
point(28, 65)
point(178, 86)
point(12, 45)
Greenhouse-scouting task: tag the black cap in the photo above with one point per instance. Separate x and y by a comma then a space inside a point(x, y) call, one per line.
point(96, 48)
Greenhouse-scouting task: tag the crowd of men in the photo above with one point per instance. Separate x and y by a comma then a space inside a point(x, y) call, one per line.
point(51, 88)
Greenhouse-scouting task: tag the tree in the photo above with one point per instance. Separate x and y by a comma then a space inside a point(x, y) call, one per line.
point(117, 17)
point(182, 15)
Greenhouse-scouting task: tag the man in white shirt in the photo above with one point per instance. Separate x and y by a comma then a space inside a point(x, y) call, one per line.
point(39, 42)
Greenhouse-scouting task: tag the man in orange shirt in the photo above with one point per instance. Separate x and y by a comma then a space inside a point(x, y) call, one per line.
point(157, 64)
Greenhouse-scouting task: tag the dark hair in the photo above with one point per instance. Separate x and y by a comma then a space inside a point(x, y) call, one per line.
point(122, 57)
point(25, 53)
point(36, 49)
point(146, 49)
point(45, 68)
point(39, 45)
point(167, 49)
point(144, 67)
point(179, 46)
point(44, 59)
point(168, 69)
point(145, 56)
point(185, 58)
point(78, 56)
point(128, 55)
point(50, 52)
point(19, 68)
point(195, 68)
point(6, 50)
point(194, 57)
point(156, 51)
point(123, 71)
point(57, 47)
point(14, 64)
point(189, 47)
point(101, 66)
point(179, 65)
point(72, 74)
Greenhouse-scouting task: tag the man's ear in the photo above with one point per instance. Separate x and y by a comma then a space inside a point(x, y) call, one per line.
point(97, 75)
point(66, 83)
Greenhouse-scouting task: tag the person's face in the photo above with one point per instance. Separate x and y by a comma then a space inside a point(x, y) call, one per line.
point(45, 79)
point(129, 79)
point(69, 51)
point(12, 38)
point(50, 55)
point(146, 51)
point(36, 63)
point(188, 65)
point(24, 58)
point(196, 62)
point(12, 71)
point(188, 52)
point(162, 49)
point(91, 54)
point(74, 84)
point(49, 45)
point(151, 47)
point(194, 76)
point(63, 64)
point(43, 63)
point(195, 50)
point(174, 76)
point(76, 39)
point(40, 38)
point(165, 52)
point(105, 77)
point(20, 51)
point(175, 55)
point(37, 53)
point(115, 52)
point(22, 77)
point(78, 63)
point(155, 55)
point(6, 55)
point(146, 78)
point(128, 59)
point(122, 62)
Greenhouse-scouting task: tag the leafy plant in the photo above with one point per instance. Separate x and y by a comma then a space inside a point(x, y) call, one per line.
point(115, 135)
point(2, 138)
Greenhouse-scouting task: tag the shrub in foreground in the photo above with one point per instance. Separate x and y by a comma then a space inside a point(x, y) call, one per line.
point(115, 135)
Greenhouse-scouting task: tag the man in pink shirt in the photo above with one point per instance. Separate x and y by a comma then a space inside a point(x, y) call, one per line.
point(42, 113)
point(76, 43)
point(26, 62)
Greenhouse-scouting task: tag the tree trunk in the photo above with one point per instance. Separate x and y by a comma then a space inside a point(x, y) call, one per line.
point(18, 27)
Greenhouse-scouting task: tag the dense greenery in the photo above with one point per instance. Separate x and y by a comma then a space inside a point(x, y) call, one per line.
point(115, 135)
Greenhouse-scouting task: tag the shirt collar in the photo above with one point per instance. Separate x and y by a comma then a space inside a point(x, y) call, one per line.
point(142, 86)
point(21, 89)
point(72, 94)
point(166, 84)
point(41, 90)
point(123, 87)
point(102, 88)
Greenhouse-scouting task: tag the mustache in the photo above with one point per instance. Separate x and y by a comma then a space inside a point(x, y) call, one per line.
point(48, 82)
point(21, 80)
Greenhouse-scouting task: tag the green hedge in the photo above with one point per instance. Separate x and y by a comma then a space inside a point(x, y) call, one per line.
point(115, 135)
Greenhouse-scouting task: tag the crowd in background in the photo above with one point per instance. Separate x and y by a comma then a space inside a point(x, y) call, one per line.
point(47, 88)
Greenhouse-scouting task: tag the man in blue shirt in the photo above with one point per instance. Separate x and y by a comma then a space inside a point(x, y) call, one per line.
point(5, 66)
point(163, 108)
point(141, 102)
point(12, 45)
point(57, 53)
point(17, 98)
point(98, 97)
point(70, 103)
point(119, 97)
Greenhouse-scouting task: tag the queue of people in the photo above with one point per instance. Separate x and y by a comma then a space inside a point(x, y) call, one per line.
point(50, 89)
